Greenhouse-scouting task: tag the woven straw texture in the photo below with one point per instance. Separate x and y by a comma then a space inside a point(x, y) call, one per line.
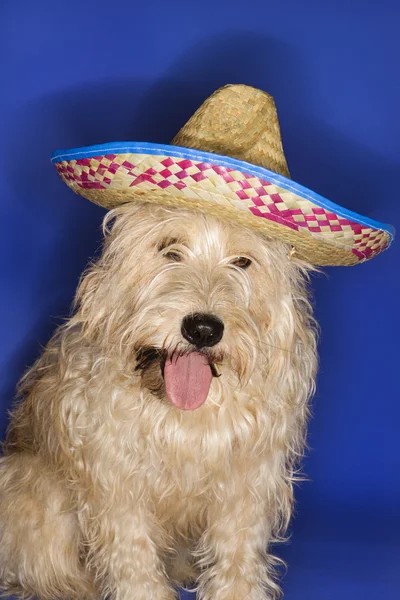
point(319, 236)
point(240, 122)
point(237, 121)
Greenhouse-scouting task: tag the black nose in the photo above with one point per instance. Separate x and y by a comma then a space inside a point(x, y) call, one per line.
point(202, 330)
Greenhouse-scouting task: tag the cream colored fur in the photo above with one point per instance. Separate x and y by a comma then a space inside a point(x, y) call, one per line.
point(108, 489)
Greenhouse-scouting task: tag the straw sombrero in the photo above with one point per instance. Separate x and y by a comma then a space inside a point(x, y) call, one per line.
point(227, 161)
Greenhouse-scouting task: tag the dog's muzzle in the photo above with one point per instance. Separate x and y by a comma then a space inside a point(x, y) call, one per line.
point(186, 372)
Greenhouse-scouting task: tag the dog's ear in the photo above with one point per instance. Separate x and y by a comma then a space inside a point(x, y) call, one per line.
point(105, 296)
point(290, 344)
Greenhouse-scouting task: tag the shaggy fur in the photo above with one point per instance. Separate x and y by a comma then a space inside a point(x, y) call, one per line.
point(107, 489)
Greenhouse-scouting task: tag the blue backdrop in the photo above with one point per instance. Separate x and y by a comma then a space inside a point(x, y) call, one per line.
point(82, 72)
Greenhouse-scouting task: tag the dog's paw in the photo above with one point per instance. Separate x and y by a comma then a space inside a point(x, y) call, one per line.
point(151, 588)
point(155, 592)
point(240, 590)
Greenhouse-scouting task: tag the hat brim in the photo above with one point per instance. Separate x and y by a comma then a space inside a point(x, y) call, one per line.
point(322, 233)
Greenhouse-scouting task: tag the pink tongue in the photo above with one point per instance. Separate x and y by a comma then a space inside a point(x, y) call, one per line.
point(187, 380)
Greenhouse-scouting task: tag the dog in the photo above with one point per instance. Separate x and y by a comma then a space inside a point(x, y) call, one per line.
point(156, 441)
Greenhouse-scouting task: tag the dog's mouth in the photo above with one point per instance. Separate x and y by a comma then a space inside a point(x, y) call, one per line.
point(186, 375)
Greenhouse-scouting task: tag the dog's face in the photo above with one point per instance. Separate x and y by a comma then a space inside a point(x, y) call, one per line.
point(181, 298)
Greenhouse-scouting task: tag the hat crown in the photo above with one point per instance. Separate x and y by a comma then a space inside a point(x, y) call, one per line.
point(237, 121)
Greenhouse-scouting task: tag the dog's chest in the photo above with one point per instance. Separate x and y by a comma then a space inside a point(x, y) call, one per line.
point(189, 472)
point(186, 469)
point(182, 491)
point(185, 462)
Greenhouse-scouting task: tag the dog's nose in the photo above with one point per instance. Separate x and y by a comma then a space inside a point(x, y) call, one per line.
point(202, 330)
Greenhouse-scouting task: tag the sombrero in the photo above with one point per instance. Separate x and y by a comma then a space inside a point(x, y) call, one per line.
point(227, 161)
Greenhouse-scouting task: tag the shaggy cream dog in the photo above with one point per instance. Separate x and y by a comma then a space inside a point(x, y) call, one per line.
point(157, 436)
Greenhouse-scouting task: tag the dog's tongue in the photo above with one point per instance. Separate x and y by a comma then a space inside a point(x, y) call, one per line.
point(187, 380)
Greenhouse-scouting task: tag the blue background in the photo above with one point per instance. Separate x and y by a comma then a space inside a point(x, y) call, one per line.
point(76, 73)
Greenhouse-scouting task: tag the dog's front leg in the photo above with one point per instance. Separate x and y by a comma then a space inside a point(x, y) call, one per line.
point(124, 551)
point(233, 553)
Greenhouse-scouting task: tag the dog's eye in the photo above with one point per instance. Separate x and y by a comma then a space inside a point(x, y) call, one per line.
point(242, 262)
point(174, 256)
